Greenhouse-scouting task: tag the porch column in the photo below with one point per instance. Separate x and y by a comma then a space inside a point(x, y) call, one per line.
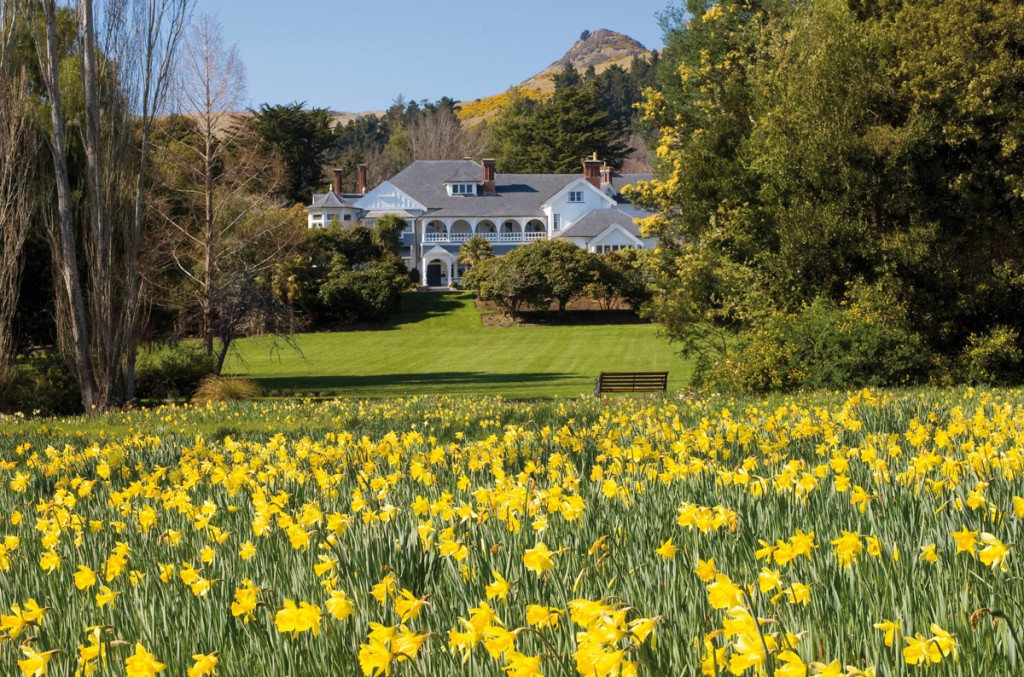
point(451, 271)
point(423, 272)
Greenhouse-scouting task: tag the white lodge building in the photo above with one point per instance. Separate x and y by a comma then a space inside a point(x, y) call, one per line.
point(448, 201)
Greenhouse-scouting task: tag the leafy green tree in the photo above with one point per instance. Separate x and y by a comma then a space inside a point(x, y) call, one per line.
point(554, 136)
point(369, 293)
point(387, 233)
point(347, 274)
point(808, 150)
point(511, 282)
point(619, 90)
point(566, 268)
point(620, 276)
point(513, 134)
point(566, 78)
point(303, 138)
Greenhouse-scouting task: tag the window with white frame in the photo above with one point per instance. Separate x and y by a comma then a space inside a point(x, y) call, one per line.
point(575, 196)
point(462, 188)
point(556, 222)
point(608, 248)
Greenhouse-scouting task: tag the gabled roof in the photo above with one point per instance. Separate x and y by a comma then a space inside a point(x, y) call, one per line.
point(464, 175)
point(515, 194)
point(597, 221)
point(332, 200)
point(581, 183)
point(387, 197)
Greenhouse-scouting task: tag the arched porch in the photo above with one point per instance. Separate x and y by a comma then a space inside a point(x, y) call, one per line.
point(461, 231)
point(511, 231)
point(535, 230)
point(438, 268)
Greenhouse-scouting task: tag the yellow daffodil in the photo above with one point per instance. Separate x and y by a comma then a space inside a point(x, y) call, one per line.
point(667, 550)
point(789, 664)
point(204, 665)
point(498, 588)
point(304, 617)
point(246, 550)
point(965, 540)
point(705, 570)
point(245, 601)
point(142, 663)
point(540, 616)
point(890, 628)
point(339, 605)
point(928, 554)
point(105, 597)
point(995, 552)
point(408, 606)
point(521, 665)
point(85, 577)
point(538, 559)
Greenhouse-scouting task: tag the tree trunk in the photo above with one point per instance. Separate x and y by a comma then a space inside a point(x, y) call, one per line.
point(76, 337)
point(222, 354)
point(17, 154)
point(208, 241)
point(99, 252)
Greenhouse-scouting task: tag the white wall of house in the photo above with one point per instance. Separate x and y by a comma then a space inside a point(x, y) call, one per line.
point(572, 203)
point(615, 238)
point(323, 217)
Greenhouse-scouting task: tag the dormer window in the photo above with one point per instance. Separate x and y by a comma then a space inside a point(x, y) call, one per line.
point(575, 196)
point(462, 189)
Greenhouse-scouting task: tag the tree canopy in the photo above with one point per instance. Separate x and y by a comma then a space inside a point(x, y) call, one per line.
point(553, 136)
point(303, 139)
point(816, 150)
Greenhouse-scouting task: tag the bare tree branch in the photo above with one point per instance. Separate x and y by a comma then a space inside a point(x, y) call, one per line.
point(126, 58)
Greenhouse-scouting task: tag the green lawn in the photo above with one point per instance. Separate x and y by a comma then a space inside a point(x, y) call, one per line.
point(438, 344)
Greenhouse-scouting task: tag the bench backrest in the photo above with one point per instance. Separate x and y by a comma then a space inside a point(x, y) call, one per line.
point(632, 381)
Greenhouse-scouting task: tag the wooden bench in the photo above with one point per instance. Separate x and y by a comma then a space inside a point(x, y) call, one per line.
point(631, 382)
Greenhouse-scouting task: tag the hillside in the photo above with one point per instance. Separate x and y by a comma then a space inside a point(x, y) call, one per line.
point(602, 49)
point(337, 118)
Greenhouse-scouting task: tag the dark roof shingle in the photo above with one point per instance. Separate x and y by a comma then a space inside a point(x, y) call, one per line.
point(597, 221)
point(515, 194)
point(332, 200)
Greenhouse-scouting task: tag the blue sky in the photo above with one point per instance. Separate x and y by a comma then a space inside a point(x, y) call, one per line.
point(359, 56)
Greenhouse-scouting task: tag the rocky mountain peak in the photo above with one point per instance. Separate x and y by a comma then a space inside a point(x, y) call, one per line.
point(599, 47)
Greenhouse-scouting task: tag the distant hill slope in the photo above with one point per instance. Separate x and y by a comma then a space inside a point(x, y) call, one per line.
point(336, 119)
point(602, 49)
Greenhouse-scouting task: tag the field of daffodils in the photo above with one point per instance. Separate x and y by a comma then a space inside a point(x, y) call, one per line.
point(872, 533)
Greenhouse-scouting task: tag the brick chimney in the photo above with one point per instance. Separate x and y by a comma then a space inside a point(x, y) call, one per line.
point(336, 181)
point(489, 185)
point(606, 176)
point(592, 170)
point(361, 179)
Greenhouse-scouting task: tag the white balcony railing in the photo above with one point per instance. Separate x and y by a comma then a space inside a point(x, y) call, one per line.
point(500, 238)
